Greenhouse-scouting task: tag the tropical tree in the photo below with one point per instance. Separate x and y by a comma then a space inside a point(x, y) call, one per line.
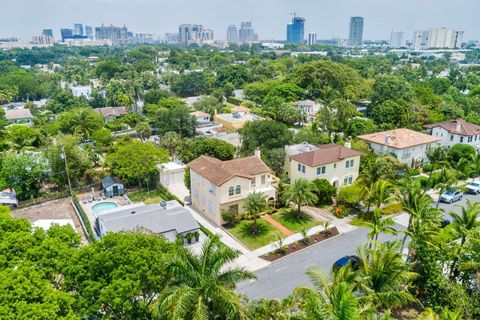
point(301, 192)
point(255, 203)
point(377, 193)
point(444, 181)
point(378, 225)
point(464, 224)
point(171, 141)
point(436, 156)
point(202, 287)
point(144, 130)
point(80, 121)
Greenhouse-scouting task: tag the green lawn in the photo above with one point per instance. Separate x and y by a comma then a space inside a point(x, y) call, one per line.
point(268, 234)
point(156, 196)
point(288, 219)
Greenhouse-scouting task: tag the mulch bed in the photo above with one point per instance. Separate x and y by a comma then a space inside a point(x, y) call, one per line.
point(293, 247)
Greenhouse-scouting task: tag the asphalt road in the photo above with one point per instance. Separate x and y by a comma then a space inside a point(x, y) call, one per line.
point(457, 206)
point(280, 278)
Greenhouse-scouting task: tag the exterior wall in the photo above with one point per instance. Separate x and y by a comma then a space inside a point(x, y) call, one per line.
point(450, 139)
point(172, 177)
point(203, 120)
point(335, 172)
point(211, 199)
point(228, 125)
point(109, 191)
point(406, 155)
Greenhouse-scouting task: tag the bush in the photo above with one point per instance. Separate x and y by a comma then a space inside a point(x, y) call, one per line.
point(349, 196)
point(230, 218)
point(341, 211)
point(427, 167)
point(324, 191)
point(392, 208)
point(458, 151)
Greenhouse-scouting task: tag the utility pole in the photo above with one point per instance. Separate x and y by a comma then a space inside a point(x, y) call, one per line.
point(64, 157)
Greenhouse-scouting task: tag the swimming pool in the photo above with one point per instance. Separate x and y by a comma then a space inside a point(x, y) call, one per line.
point(102, 206)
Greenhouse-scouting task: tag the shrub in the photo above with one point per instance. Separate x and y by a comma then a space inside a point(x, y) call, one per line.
point(230, 218)
point(392, 208)
point(458, 151)
point(341, 211)
point(427, 167)
point(324, 191)
point(349, 196)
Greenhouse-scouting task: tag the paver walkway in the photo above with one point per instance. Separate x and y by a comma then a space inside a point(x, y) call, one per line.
point(277, 225)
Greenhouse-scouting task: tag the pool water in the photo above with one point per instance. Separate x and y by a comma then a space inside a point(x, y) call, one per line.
point(102, 206)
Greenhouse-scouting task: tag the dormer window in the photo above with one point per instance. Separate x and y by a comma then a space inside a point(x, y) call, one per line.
point(238, 189)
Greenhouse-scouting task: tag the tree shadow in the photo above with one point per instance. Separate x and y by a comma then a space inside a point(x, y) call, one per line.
point(290, 216)
point(246, 229)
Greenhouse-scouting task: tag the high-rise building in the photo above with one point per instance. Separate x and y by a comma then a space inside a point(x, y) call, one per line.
point(89, 31)
point(397, 39)
point(78, 29)
point(194, 33)
point(47, 33)
point(355, 35)
point(232, 34)
point(312, 39)
point(173, 37)
point(437, 38)
point(296, 30)
point(66, 33)
point(118, 35)
point(247, 33)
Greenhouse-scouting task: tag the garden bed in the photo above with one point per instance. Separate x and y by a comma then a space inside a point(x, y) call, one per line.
point(299, 245)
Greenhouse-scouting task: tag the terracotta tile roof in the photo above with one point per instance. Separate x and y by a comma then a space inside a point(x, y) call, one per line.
point(219, 172)
point(458, 126)
point(327, 153)
point(199, 114)
point(399, 138)
point(112, 111)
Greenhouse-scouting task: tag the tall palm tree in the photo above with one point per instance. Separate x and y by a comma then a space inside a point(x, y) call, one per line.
point(464, 224)
point(202, 287)
point(378, 225)
point(84, 122)
point(444, 181)
point(332, 300)
point(255, 203)
point(301, 192)
point(385, 275)
point(377, 193)
point(435, 156)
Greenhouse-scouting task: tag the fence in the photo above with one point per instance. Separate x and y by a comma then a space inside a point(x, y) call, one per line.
point(87, 227)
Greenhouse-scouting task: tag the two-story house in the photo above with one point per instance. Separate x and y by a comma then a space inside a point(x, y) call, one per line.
point(223, 185)
point(455, 131)
point(335, 163)
point(406, 145)
point(309, 109)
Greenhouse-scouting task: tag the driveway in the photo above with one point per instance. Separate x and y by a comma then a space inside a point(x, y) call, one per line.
point(279, 279)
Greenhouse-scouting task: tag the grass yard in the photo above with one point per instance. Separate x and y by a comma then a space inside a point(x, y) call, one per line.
point(267, 234)
point(156, 196)
point(287, 218)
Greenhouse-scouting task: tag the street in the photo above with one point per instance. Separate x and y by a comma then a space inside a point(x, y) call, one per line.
point(280, 278)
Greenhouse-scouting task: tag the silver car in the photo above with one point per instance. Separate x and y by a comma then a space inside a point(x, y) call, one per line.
point(451, 196)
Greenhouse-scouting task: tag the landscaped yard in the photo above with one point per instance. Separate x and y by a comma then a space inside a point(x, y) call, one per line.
point(268, 234)
point(288, 219)
point(155, 196)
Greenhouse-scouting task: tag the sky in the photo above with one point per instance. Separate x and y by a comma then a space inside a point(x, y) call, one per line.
point(327, 18)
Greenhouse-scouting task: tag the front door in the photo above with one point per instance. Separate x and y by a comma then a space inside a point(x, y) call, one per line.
point(115, 190)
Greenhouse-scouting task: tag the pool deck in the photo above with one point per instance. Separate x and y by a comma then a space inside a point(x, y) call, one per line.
point(87, 207)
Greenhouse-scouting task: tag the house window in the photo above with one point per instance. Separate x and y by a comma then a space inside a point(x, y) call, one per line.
point(334, 166)
point(321, 170)
point(211, 189)
point(238, 190)
point(350, 180)
point(470, 139)
point(301, 168)
point(345, 181)
point(451, 137)
point(461, 139)
point(231, 191)
point(264, 179)
point(349, 164)
point(253, 182)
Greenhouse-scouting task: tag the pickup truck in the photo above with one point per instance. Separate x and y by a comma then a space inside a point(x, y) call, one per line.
point(473, 187)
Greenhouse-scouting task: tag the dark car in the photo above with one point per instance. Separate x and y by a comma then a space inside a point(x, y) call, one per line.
point(354, 261)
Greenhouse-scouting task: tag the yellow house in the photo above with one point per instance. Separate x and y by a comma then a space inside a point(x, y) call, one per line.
point(337, 164)
point(236, 119)
point(223, 185)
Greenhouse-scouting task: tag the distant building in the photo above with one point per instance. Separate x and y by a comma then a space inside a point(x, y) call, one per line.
point(65, 33)
point(232, 34)
point(143, 38)
point(118, 35)
point(437, 38)
point(43, 39)
point(355, 35)
point(247, 33)
point(47, 33)
point(172, 37)
point(397, 39)
point(308, 109)
point(19, 116)
point(194, 33)
point(455, 131)
point(312, 39)
point(406, 145)
point(236, 119)
point(78, 29)
point(112, 113)
point(296, 30)
point(89, 32)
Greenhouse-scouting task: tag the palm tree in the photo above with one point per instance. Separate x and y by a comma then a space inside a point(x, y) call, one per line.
point(202, 287)
point(385, 275)
point(255, 203)
point(463, 224)
point(336, 300)
point(378, 225)
point(143, 130)
point(171, 140)
point(444, 181)
point(301, 192)
point(435, 156)
point(378, 193)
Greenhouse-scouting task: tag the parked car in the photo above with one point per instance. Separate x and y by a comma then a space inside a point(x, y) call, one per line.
point(444, 223)
point(451, 196)
point(473, 187)
point(354, 261)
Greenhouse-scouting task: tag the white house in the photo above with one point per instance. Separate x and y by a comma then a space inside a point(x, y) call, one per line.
point(202, 117)
point(455, 131)
point(406, 145)
point(309, 109)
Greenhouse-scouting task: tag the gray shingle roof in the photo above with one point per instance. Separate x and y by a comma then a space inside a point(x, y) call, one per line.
point(151, 217)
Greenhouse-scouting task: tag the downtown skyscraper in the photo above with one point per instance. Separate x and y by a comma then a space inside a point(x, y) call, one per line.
point(355, 35)
point(296, 30)
point(232, 34)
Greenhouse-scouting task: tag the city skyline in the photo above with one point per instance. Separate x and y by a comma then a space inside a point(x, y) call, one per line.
point(326, 18)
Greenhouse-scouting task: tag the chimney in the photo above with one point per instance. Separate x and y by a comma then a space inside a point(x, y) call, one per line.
point(258, 153)
point(348, 144)
point(457, 126)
